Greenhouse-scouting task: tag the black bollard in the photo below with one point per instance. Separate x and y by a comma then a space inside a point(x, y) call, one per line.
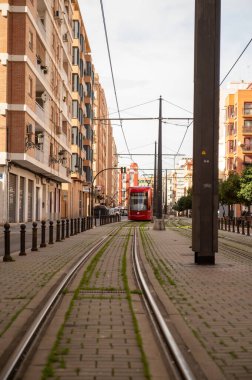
point(229, 224)
point(78, 225)
point(43, 231)
point(85, 223)
point(233, 225)
point(7, 256)
point(243, 226)
point(95, 221)
point(71, 225)
point(82, 224)
point(75, 226)
point(58, 231)
point(34, 236)
point(238, 225)
point(248, 228)
point(50, 232)
point(67, 228)
point(22, 240)
point(62, 229)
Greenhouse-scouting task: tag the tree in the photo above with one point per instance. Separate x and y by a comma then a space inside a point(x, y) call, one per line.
point(229, 191)
point(245, 192)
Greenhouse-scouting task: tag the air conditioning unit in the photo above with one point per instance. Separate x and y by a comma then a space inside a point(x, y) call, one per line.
point(57, 14)
point(43, 181)
point(65, 37)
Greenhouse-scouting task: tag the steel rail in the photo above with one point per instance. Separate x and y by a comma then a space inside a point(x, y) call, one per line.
point(7, 372)
point(169, 339)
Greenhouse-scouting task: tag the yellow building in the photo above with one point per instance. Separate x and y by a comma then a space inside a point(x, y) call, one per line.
point(238, 130)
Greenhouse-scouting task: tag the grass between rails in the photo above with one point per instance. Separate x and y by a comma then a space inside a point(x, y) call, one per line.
point(160, 268)
point(135, 323)
point(57, 353)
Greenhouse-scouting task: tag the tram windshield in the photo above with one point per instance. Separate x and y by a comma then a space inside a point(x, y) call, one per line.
point(138, 201)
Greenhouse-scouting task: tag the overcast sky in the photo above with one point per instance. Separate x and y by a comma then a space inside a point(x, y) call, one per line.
point(151, 45)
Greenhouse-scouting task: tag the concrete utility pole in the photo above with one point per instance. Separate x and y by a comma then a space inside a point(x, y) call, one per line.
point(155, 182)
point(206, 128)
point(159, 222)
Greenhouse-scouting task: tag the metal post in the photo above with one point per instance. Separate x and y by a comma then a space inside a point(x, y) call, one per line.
point(58, 231)
point(22, 240)
point(67, 228)
point(78, 225)
point(7, 256)
point(43, 230)
point(75, 226)
point(165, 206)
point(205, 134)
point(50, 232)
point(34, 236)
point(85, 224)
point(243, 226)
point(71, 227)
point(63, 229)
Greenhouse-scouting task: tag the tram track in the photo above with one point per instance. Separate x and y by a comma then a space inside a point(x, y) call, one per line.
point(101, 283)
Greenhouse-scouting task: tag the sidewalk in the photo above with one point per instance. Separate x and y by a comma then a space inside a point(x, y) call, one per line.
point(215, 303)
point(29, 279)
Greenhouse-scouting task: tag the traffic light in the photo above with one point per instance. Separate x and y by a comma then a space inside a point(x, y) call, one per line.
point(123, 169)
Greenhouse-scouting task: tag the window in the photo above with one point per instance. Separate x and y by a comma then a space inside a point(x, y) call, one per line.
point(76, 56)
point(247, 108)
point(247, 123)
point(75, 109)
point(82, 43)
point(30, 87)
point(76, 29)
point(30, 40)
point(74, 163)
point(74, 136)
point(81, 68)
point(75, 82)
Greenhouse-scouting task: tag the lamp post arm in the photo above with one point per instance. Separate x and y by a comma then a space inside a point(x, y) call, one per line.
point(92, 187)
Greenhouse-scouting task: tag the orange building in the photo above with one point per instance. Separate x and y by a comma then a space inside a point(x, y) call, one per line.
point(127, 178)
point(35, 108)
point(238, 130)
point(105, 158)
point(76, 195)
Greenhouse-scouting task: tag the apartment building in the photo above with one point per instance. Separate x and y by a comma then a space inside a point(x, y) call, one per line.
point(35, 107)
point(76, 195)
point(128, 177)
point(238, 130)
point(105, 157)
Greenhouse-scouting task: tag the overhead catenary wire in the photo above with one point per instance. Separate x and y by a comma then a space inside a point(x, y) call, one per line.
point(137, 105)
point(236, 61)
point(112, 74)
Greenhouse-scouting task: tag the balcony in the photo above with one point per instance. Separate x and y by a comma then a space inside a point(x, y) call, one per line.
point(247, 129)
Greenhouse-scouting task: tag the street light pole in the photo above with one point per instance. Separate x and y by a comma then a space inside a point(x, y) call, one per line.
point(159, 223)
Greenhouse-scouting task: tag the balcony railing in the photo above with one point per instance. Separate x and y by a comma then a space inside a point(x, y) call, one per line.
point(247, 129)
point(246, 148)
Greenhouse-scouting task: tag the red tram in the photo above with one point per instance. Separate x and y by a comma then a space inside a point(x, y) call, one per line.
point(140, 203)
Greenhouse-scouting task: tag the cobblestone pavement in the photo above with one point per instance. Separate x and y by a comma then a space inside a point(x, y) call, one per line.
point(28, 276)
point(214, 301)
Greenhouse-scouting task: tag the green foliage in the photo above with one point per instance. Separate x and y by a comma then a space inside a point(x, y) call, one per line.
point(245, 192)
point(184, 203)
point(229, 190)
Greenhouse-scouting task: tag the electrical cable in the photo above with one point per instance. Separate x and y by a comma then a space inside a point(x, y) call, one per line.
point(175, 105)
point(236, 61)
point(112, 74)
point(138, 105)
